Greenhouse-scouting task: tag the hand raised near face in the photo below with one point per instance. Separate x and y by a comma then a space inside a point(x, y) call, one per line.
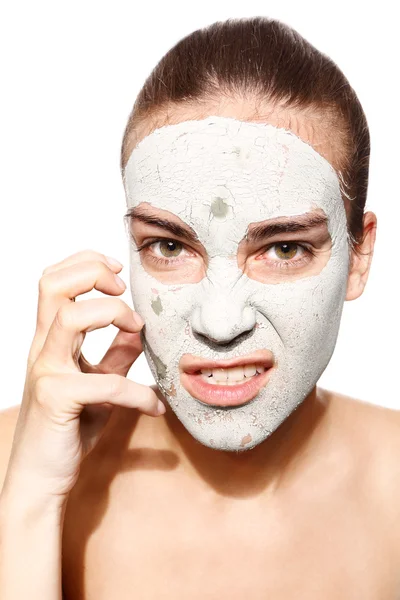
point(67, 402)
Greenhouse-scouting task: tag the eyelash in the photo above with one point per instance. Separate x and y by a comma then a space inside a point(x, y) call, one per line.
point(282, 263)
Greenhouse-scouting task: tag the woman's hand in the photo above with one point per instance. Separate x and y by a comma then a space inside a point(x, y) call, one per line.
point(67, 402)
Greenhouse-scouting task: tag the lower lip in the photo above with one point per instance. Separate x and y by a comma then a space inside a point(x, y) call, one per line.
point(224, 395)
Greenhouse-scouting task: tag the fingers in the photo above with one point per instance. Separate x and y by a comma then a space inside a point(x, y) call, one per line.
point(74, 320)
point(63, 396)
point(58, 287)
point(120, 356)
point(82, 256)
point(61, 282)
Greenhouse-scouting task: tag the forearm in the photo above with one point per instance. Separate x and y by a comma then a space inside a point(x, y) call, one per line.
point(30, 549)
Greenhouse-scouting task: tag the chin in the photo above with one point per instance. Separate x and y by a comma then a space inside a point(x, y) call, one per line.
point(229, 429)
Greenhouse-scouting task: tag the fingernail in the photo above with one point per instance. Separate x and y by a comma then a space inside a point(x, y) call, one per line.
point(161, 408)
point(113, 261)
point(138, 319)
point(119, 282)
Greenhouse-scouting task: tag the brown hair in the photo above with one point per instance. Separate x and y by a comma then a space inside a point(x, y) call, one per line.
point(269, 61)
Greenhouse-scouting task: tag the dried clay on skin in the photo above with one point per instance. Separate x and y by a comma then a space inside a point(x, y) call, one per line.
point(219, 175)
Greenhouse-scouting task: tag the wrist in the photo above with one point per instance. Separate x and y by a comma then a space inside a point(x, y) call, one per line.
point(28, 506)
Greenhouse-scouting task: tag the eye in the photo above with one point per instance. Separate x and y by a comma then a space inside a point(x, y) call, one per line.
point(286, 250)
point(169, 248)
point(164, 251)
point(286, 255)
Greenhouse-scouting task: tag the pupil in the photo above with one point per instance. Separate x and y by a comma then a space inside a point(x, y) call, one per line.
point(286, 250)
point(170, 248)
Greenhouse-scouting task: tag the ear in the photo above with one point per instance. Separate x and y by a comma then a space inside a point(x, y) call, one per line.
point(361, 260)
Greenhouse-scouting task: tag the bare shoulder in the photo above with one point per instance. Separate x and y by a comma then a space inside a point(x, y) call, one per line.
point(8, 420)
point(373, 429)
point(377, 426)
point(365, 412)
point(372, 434)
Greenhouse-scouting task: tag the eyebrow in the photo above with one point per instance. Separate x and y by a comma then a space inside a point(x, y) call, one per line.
point(136, 213)
point(301, 223)
point(257, 233)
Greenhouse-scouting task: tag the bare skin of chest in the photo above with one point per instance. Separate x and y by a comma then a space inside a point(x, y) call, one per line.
point(171, 545)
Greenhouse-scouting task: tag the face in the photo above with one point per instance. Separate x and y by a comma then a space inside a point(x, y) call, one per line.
point(249, 272)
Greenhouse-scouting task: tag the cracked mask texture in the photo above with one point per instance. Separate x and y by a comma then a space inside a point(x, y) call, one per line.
point(219, 175)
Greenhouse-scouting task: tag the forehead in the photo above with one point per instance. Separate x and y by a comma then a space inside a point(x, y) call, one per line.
point(222, 170)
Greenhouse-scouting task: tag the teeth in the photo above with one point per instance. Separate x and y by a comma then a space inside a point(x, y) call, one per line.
point(249, 370)
point(236, 374)
point(231, 376)
point(207, 372)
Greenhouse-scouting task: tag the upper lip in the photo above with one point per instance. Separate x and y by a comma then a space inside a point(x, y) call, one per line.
point(190, 363)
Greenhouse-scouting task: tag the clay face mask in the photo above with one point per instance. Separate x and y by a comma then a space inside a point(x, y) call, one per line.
point(222, 177)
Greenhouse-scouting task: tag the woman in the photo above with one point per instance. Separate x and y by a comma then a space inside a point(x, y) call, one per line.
point(247, 234)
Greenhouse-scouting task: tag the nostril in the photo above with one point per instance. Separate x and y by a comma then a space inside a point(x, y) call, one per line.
point(223, 342)
point(223, 318)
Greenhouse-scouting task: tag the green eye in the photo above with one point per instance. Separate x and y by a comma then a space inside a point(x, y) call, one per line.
point(286, 250)
point(170, 248)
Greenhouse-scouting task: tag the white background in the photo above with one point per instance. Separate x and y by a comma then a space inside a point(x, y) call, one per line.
point(69, 76)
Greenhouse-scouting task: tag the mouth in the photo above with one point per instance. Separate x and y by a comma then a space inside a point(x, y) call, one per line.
point(226, 382)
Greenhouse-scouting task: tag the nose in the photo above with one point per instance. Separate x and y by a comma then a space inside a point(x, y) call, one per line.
point(222, 311)
point(221, 318)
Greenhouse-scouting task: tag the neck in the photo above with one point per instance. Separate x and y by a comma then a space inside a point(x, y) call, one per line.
point(281, 458)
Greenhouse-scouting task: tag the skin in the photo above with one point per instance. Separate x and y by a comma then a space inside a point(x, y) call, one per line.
point(309, 513)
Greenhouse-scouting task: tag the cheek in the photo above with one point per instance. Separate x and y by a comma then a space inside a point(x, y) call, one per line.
point(164, 308)
point(304, 312)
point(159, 300)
